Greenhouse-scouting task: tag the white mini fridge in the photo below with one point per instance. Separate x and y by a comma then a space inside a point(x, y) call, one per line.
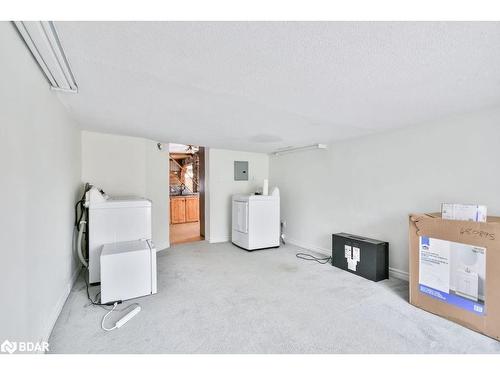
point(256, 221)
point(128, 270)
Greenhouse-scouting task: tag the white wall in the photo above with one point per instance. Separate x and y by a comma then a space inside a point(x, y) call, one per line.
point(40, 183)
point(221, 186)
point(368, 186)
point(117, 164)
point(158, 190)
point(123, 165)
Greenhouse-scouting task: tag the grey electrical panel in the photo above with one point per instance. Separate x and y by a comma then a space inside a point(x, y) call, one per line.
point(241, 170)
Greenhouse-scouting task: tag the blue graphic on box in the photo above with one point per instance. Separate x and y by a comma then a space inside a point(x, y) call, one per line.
point(453, 299)
point(425, 241)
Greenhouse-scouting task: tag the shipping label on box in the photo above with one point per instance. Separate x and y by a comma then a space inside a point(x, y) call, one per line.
point(454, 273)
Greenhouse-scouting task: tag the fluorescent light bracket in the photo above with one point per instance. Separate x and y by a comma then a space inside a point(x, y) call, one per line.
point(316, 146)
point(43, 41)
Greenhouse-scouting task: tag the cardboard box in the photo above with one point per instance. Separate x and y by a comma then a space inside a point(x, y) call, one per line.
point(467, 212)
point(455, 270)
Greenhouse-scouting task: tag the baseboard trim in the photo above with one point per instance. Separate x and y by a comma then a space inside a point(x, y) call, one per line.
point(393, 272)
point(59, 305)
point(162, 247)
point(218, 240)
point(399, 274)
point(317, 249)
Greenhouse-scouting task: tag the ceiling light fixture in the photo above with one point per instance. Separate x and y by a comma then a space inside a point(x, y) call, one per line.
point(43, 41)
point(316, 146)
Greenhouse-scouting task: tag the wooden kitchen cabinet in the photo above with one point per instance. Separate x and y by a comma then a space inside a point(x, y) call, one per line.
point(177, 210)
point(192, 209)
point(184, 209)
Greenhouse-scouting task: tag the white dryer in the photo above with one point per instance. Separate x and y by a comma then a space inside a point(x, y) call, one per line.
point(114, 220)
point(256, 221)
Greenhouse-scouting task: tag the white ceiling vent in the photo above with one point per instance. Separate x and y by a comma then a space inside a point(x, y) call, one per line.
point(42, 40)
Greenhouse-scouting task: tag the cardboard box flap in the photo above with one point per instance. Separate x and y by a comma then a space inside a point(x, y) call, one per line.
point(437, 215)
point(468, 232)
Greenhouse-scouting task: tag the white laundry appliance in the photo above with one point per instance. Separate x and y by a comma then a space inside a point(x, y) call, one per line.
point(256, 221)
point(128, 270)
point(114, 220)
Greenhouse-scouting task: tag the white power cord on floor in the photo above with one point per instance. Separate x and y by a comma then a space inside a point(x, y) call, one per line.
point(105, 316)
point(123, 320)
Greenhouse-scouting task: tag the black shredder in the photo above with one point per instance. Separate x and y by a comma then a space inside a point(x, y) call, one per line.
point(362, 256)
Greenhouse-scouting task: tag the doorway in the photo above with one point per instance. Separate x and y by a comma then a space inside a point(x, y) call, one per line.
point(187, 193)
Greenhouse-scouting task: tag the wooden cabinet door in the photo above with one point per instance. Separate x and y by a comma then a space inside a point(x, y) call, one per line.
point(192, 209)
point(178, 210)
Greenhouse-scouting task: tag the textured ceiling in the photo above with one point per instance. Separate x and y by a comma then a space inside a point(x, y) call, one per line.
point(260, 86)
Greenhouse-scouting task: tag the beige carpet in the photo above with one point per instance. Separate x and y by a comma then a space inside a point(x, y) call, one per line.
point(217, 298)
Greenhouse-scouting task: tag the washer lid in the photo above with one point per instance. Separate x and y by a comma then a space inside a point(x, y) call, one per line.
point(263, 197)
point(253, 197)
point(241, 197)
point(121, 202)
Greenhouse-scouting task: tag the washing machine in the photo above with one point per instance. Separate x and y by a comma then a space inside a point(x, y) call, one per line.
point(256, 221)
point(114, 219)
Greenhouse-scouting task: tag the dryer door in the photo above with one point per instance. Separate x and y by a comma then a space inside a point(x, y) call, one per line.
point(240, 216)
